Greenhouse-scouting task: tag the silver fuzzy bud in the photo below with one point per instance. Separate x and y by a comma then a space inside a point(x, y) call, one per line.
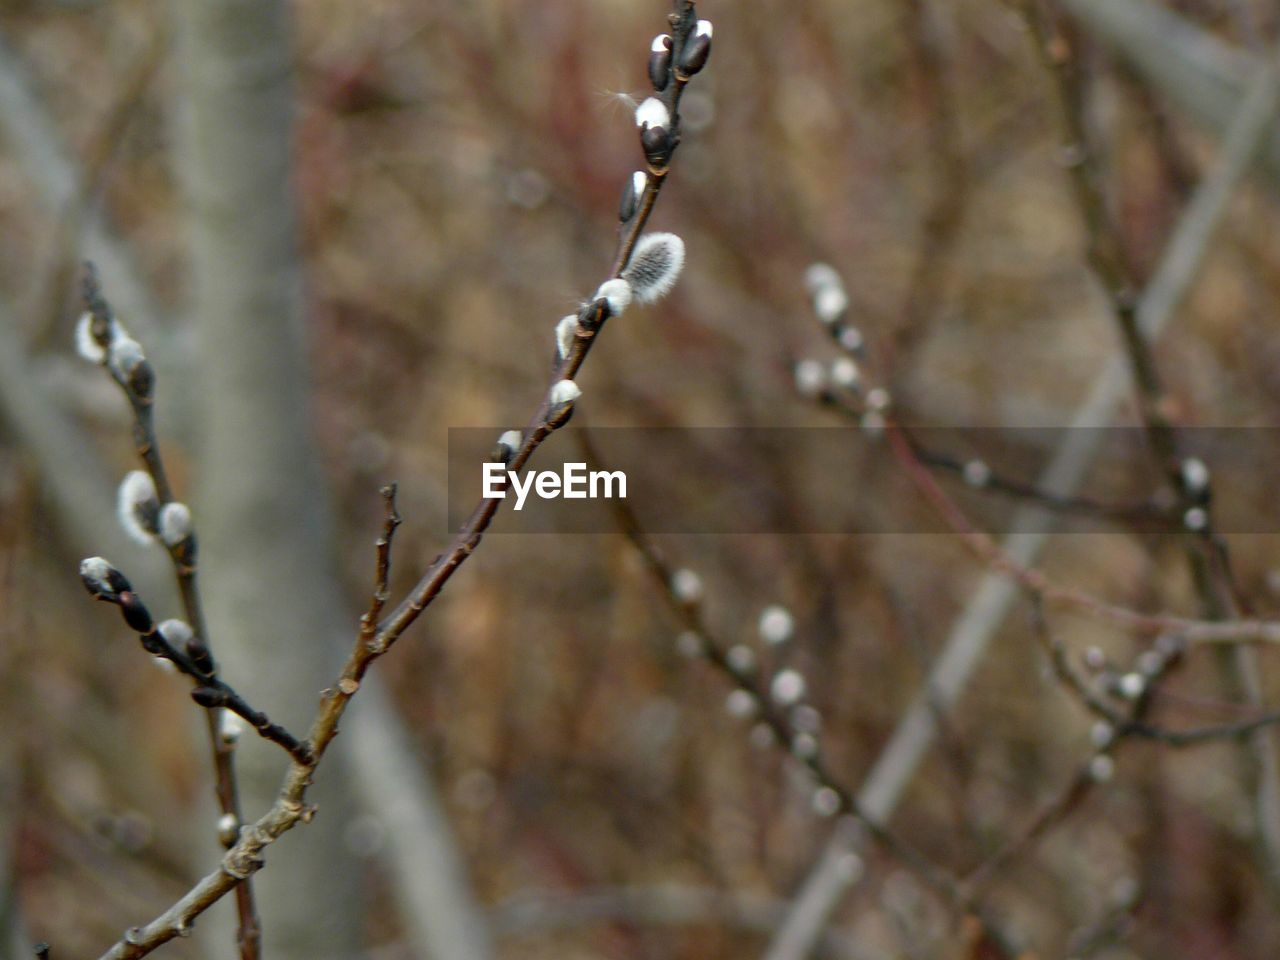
point(566, 391)
point(138, 506)
point(655, 266)
point(175, 523)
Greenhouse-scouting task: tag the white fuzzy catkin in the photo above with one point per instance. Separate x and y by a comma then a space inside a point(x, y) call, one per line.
point(566, 391)
point(811, 377)
point(844, 372)
point(776, 625)
point(1195, 475)
point(138, 506)
point(175, 523)
point(788, 687)
point(652, 113)
point(229, 727)
point(819, 276)
point(655, 266)
point(125, 354)
point(97, 572)
point(87, 344)
point(686, 586)
point(617, 294)
point(565, 330)
point(511, 440)
point(177, 632)
point(830, 303)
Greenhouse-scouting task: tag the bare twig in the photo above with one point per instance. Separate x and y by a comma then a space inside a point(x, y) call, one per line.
point(138, 385)
point(994, 595)
point(804, 747)
point(1206, 554)
point(998, 557)
point(688, 49)
point(551, 414)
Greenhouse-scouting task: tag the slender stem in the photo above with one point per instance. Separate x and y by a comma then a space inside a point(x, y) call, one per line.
point(1206, 554)
point(244, 857)
point(775, 718)
point(222, 749)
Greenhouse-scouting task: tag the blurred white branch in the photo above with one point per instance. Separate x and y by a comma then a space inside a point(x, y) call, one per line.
point(978, 623)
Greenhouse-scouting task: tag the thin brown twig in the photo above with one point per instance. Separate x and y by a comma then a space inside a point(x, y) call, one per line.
point(381, 591)
point(1189, 630)
point(1074, 793)
point(541, 425)
point(183, 557)
point(244, 858)
point(715, 652)
point(1206, 552)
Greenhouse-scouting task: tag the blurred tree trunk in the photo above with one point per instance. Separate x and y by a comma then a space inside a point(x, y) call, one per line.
point(263, 513)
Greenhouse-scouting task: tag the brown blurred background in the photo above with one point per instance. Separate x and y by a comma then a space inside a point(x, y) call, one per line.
point(456, 169)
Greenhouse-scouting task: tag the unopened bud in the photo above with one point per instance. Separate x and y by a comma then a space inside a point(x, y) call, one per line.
point(1195, 479)
point(976, 473)
point(1101, 768)
point(804, 746)
point(776, 625)
point(657, 146)
point(686, 586)
point(810, 378)
point(826, 802)
point(631, 194)
point(830, 304)
point(228, 829)
point(660, 62)
point(1132, 685)
point(696, 50)
point(208, 697)
point(788, 687)
point(508, 444)
point(230, 727)
point(103, 580)
point(819, 276)
point(136, 614)
point(850, 338)
point(844, 372)
point(741, 704)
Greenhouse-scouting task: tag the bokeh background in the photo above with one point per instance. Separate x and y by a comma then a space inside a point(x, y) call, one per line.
point(455, 170)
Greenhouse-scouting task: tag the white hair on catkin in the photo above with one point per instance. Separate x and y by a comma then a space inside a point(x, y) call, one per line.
point(138, 506)
point(655, 266)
